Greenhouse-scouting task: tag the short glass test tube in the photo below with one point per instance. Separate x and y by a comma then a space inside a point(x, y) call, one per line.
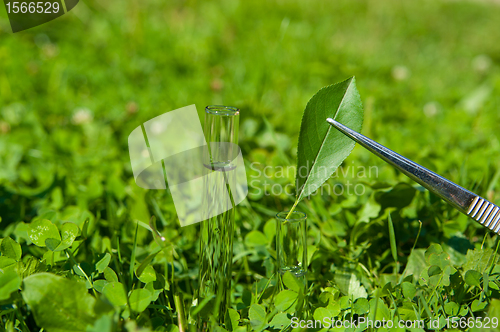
point(216, 241)
point(291, 251)
point(291, 246)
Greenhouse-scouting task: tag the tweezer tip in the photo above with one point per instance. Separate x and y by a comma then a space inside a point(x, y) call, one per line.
point(330, 120)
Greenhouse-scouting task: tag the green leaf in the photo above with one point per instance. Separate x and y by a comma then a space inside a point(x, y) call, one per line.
point(85, 228)
point(21, 231)
point(285, 300)
point(494, 309)
point(69, 232)
point(155, 291)
point(320, 314)
point(9, 282)
point(232, 318)
point(435, 255)
point(11, 249)
point(434, 270)
point(416, 263)
point(58, 304)
point(409, 290)
point(392, 239)
point(472, 278)
point(378, 306)
point(99, 285)
point(270, 229)
point(280, 321)
point(110, 275)
point(140, 299)
point(31, 266)
point(292, 282)
point(7, 263)
point(407, 312)
point(345, 302)
point(350, 285)
point(400, 196)
point(148, 275)
point(361, 306)
point(452, 309)
point(326, 298)
point(102, 324)
point(52, 244)
point(134, 249)
point(172, 328)
point(115, 293)
point(219, 329)
point(334, 308)
point(255, 238)
point(41, 230)
point(434, 248)
point(370, 209)
point(480, 259)
point(321, 148)
point(145, 264)
point(478, 305)
point(257, 316)
point(103, 263)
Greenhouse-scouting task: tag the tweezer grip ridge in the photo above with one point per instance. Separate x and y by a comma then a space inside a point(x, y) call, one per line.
point(485, 213)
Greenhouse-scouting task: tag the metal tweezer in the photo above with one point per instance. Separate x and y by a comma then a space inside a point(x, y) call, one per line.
point(474, 206)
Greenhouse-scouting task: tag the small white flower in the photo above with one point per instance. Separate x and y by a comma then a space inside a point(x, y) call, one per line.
point(430, 109)
point(400, 73)
point(481, 63)
point(157, 127)
point(4, 127)
point(82, 116)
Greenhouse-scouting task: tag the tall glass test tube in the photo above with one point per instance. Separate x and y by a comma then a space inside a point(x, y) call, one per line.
point(291, 253)
point(216, 242)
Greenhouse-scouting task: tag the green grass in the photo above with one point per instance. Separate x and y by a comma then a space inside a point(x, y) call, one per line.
point(428, 74)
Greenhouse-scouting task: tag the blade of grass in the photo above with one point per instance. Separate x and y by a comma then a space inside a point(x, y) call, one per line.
point(132, 258)
point(494, 256)
point(426, 307)
point(392, 238)
point(267, 284)
point(414, 244)
point(181, 317)
point(158, 211)
point(70, 255)
point(202, 305)
point(486, 281)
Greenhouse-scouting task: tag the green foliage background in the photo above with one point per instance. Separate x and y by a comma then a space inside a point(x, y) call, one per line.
point(71, 91)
